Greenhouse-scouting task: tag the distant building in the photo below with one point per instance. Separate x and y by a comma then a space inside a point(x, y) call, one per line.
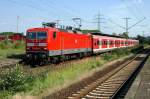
point(13, 37)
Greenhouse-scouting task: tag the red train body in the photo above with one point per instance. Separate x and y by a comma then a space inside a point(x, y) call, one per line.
point(2, 37)
point(104, 43)
point(47, 43)
point(56, 42)
point(14, 37)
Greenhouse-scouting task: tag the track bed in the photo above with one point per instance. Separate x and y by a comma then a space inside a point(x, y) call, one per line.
point(103, 84)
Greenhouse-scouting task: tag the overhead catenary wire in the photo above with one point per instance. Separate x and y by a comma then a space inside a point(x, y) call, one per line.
point(110, 20)
point(67, 11)
point(33, 7)
point(50, 5)
point(38, 8)
point(130, 10)
point(138, 10)
point(127, 27)
point(65, 7)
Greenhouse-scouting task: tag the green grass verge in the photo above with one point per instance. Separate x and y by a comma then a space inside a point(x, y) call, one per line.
point(37, 85)
point(8, 48)
point(4, 53)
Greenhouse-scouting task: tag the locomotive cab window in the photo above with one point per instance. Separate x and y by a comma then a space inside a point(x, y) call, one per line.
point(54, 35)
point(31, 35)
point(41, 35)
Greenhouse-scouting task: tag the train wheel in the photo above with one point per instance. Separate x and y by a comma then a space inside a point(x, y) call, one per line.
point(55, 60)
point(81, 55)
point(32, 63)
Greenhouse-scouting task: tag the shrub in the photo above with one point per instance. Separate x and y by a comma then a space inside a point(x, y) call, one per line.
point(15, 45)
point(107, 56)
point(13, 80)
point(18, 45)
point(5, 44)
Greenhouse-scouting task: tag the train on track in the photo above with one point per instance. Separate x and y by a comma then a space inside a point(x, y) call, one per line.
point(53, 44)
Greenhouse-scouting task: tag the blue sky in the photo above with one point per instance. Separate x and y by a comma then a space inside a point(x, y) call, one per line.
point(33, 12)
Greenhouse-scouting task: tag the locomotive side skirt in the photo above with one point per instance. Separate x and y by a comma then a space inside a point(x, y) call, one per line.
point(68, 51)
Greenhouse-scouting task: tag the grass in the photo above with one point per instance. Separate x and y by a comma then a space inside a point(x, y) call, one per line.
point(59, 77)
point(8, 48)
point(74, 71)
point(4, 53)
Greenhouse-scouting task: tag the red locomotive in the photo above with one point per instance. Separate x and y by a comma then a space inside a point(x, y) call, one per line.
point(51, 44)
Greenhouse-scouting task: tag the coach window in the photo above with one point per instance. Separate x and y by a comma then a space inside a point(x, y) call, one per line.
point(95, 43)
point(105, 42)
point(54, 35)
point(98, 42)
point(113, 42)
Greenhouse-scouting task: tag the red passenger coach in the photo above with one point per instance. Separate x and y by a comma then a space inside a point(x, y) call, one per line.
point(105, 42)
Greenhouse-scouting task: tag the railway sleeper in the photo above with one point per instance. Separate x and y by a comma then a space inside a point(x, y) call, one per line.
point(98, 96)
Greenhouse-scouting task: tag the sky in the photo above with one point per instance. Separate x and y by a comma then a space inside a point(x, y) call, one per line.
point(33, 12)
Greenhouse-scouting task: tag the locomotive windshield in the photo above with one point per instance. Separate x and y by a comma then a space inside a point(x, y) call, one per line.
point(41, 35)
point(36, 35)
point(31, 35)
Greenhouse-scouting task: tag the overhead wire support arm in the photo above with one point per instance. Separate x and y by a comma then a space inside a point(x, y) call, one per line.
point(136, 23)
point(116, 24)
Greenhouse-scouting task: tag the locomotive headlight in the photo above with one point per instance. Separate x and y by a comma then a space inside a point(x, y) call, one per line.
point(45, 48)
point(28, 48)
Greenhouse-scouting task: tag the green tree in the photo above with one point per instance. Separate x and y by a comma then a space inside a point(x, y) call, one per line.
point(124, 34)
point(89, 31)
point(115, 34)
point(143, 40)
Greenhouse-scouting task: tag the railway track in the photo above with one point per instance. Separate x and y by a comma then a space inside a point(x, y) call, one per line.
point(109, 85)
